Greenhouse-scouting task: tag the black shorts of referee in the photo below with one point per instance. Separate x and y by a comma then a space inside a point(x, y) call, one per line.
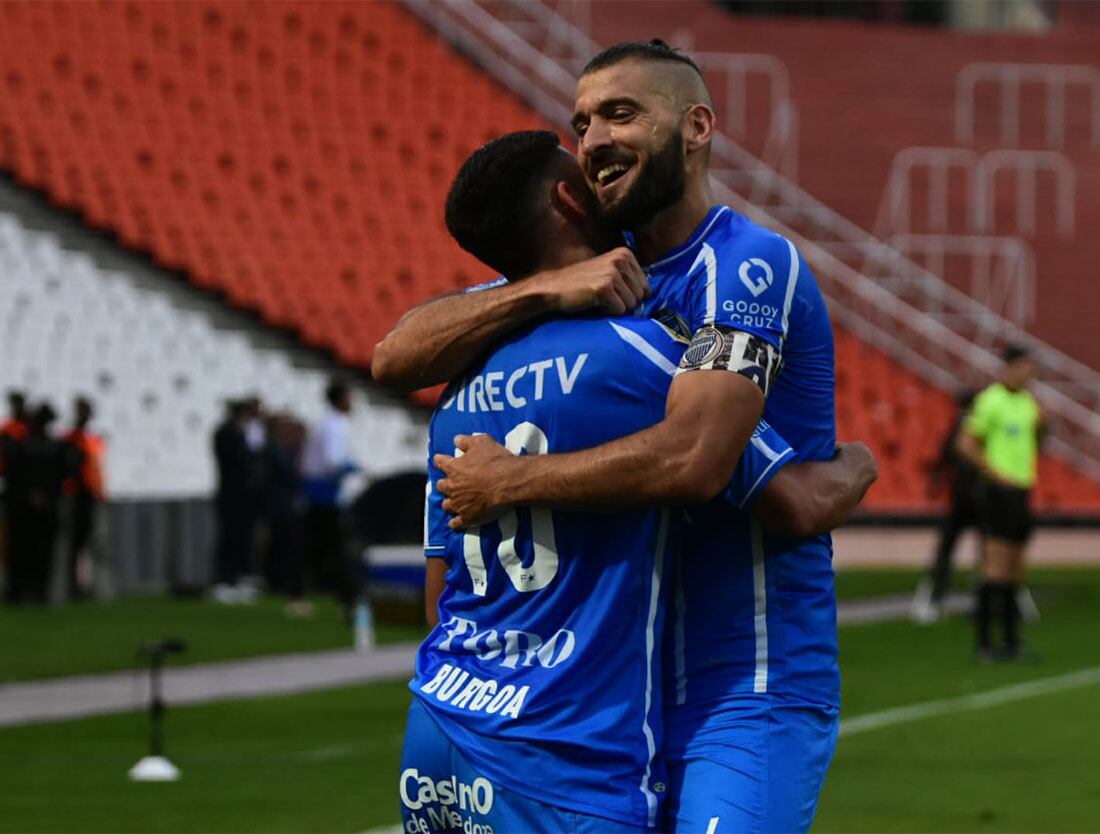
point(1006, 513)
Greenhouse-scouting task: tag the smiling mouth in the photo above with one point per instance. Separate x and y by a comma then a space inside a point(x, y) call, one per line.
point(610, 173)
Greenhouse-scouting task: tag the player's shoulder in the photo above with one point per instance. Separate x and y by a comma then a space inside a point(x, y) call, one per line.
point(733, 232)
point(990, 394)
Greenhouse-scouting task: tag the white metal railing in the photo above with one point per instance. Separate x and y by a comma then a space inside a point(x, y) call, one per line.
point(980, 175)
point(895, 211)
point(508, 37)
point(1056, 79)
point(1001, 275)
point(780, 149)
point(1026, 166)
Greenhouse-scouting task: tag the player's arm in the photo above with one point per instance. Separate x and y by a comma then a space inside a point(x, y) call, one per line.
point(712, 408)
point(687, 458)
point(806, 499)
point(437, 340)
point(970, 443)
point(969, 447)
point(435, 580)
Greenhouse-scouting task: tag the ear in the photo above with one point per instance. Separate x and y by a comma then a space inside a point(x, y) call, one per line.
point(699, 121)
point(568, 203)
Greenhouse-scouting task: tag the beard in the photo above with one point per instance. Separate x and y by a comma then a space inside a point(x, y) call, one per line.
point(660, 184)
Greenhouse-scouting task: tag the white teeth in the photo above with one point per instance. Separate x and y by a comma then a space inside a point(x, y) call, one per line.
point(604, 173)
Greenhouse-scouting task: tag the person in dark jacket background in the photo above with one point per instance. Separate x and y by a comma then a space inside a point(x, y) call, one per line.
point(86, 491)
point(238, 475)
point(963, 512)
point(35, 471)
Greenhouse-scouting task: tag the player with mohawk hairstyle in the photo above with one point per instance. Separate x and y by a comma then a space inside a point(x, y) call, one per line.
point(756, 684)
point(545, 657)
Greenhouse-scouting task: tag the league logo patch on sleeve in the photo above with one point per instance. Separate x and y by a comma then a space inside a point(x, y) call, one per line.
point(726, 349)
point(704, 348)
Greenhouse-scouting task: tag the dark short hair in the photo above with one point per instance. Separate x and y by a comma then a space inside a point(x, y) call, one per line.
point(1014, 352)
point(654, 50)
point(493, 208)
point(43, 414)
point(335, 391)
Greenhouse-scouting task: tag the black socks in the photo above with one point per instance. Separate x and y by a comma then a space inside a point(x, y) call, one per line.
point(998, 597)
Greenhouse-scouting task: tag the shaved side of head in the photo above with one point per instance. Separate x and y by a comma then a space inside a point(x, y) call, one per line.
point(681, 84)
point(677, 77)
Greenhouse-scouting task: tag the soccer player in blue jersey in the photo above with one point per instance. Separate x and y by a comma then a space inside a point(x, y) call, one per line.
point(550, 622)
point(750, 304)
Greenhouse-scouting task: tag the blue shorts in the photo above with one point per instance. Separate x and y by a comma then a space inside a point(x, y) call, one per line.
point(441, 791)
point(754, 764)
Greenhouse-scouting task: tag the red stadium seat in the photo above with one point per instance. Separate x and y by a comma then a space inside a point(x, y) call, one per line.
point(296, 159)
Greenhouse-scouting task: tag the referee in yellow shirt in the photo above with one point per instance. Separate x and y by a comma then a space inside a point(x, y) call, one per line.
point(1001, 438)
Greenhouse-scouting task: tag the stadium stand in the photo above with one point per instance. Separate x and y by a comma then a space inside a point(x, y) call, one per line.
point(159, 373)
point(286, 157)
point(294, 161)
point(886, 88)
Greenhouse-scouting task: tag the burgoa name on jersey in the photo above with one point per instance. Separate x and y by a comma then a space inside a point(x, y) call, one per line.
point(492, 392)
point(477, 694)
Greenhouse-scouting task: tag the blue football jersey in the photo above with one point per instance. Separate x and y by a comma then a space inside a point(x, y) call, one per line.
point(543, 662)
point(755, 613)
point(545, 668)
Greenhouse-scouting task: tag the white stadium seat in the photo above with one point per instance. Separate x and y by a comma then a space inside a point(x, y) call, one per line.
point(159, 375)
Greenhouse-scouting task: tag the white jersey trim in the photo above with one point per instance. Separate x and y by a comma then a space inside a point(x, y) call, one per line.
point(792, 281)
point(650, 642)
point(773, 456)
point(643, 347)
point(706, 231)
point(760, 609)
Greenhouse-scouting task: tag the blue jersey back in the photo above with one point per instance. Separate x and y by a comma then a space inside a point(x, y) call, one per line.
point(545, 668)
point(781, 636)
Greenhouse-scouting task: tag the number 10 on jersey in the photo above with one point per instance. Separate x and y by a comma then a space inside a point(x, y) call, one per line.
point(524, 438)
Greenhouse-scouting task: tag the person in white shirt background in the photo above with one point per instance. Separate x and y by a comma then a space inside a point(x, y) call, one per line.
point(326, 463)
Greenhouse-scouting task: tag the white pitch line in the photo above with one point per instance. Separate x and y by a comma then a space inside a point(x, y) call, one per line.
point(967, 703)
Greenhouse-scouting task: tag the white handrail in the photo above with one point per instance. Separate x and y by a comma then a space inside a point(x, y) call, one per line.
point(1056, 79)
point(895, 213)
point(1002, 269)
point(1026, 165)
point(945, 355)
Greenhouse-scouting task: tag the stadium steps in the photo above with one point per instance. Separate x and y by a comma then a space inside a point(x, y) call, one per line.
point(294, 161)
point(863, 93)
point(294, 158)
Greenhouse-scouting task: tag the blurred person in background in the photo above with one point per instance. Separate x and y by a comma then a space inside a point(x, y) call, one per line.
point(326, 462)
point(255, 424)
point(17, 425)
point(1000, 438)
point(35, 471)
point(86, 491)
point(13, 430)
point(963, 512)
point(284, 505)
point(236, 505)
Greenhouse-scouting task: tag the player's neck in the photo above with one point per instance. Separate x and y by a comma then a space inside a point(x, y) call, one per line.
point(565, 255)
point(673, 226)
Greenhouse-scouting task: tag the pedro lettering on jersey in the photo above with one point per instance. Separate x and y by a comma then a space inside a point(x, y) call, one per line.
point(547, 659)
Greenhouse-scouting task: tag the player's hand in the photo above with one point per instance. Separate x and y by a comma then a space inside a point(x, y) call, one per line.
point(612, 282)
point(859, 457)
point(473, 480)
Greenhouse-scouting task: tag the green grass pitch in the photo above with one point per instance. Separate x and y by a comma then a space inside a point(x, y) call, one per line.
point(327, 762)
